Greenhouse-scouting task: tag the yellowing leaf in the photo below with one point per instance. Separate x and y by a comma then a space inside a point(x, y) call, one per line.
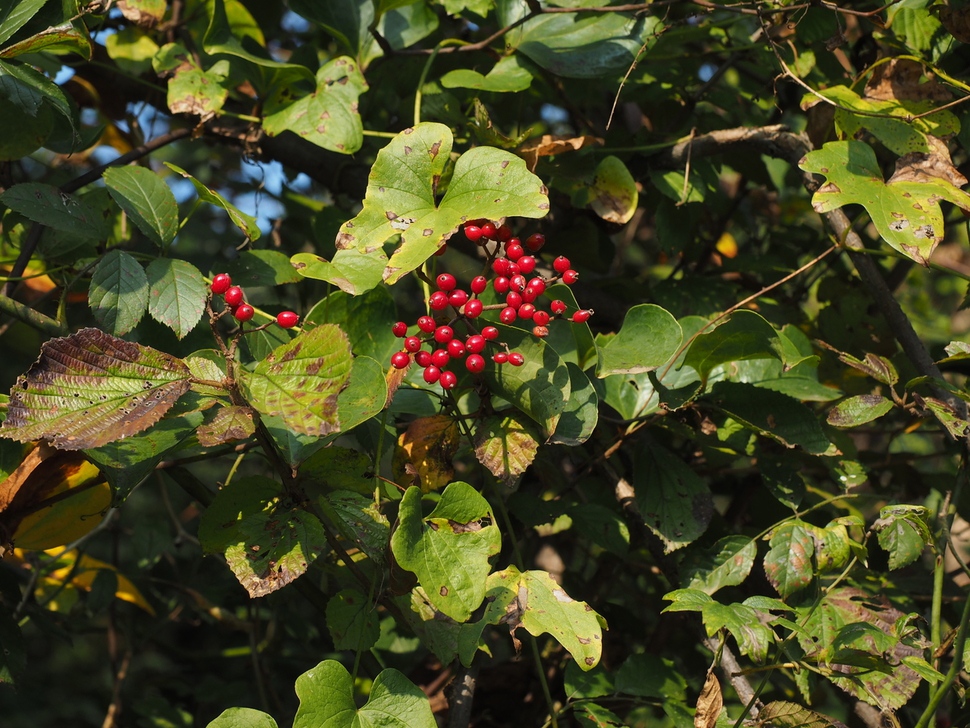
point(427, 449)
point(82, 570)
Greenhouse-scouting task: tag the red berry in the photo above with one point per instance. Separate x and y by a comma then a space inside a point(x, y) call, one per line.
point(440, 358)
point(513, 299)
point(438, 301)
point(541, 318)
point(400, 329)
point(526, 264)
point(412, 344)
point(423, 358)
point(503, 233)
point(426, 324)
point(516, 359)
point(569, 277)
point(517, 283)
point(400, 360)
point(513, 269)
point(537, 286)
point(243, 312)
point(514, 251)
point(287, 319)
point(475, 363)
point(456, 348)
point(432, 374)
point(444, 334)
point(582, 316)
point(526, 311)
point(479, 284)
point(473, 233)
point(508, 315)
point(561, 264)
point(458, 297)
point(473, 309)
point(475, 344)
point(535, 241)
point(490, 333)
point(501, 266)
point(501, 285)
point(446, 282)
point(221, 283)
point(448, 380)
point(539, 331)
point(558, 307)
point(488, 230)
point(234, 296)
point(500, 358)
point(528, 295)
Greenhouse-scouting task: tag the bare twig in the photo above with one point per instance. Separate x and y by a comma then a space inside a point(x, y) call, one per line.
point(460, 707)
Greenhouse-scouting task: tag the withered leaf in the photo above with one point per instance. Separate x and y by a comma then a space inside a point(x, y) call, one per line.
point(899, 79)
point(550, 145)
point(925, 167)
point(709, 703)
point(428, 446)
point(229, 424)
point(956, 21)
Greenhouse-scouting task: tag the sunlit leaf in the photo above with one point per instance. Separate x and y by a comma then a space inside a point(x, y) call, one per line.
point(176, 295)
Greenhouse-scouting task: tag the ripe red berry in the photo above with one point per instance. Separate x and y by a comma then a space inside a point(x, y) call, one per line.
point(475, 363)
point(526, 311)
point(426, 324)
point(412, 344)
point(558, 307)
point(479, 284)
point(423, 358)
point(526, 264)
point(456, 348)
point(503, 233)
point(475, 344)
point(535, 241)
point(448, 380)
point(446, 282)
point(473, 309)
point(400, 329)
point(490, 333)
point(501, 285)
point(287, 319)
point(473, 233)
point(518, 283)
point(440, 358)
point(243, 312)
point(541, 318)
point(516, 359)
point(438, 301)
point(537, 286)
point(234, 296)
point(221, 283)
point(513, 299)
point(508, 315)
point(582, 316)
point(501, 266)
point(444, 334)
point(432, 374)
point(458, 297)
point(500, 358)
point(514, 251)
point(561, 264)
point(569, 277)
point(400, 360)
point(488, 230)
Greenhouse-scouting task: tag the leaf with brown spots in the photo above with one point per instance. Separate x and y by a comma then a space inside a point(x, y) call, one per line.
point(90, 388)
point(506, 445)
point(789, 563)
point(428, 446)
point(229, 424)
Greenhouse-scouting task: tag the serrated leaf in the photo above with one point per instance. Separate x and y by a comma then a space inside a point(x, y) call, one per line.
point(649, 336)
point(791, 715)
point(507, 76)
point(674, 502)
point(229, 424)
point(16, 14)
point(49, 206)
point(363, 519)
point(18, 79)
point(243, 718)
point(327, 699)
point(903, 532)
point(326, 117)
point(147, 200)
point(118, 294)
point(403, 186)
point(789, 564)
point(449, 550)
point(726, 563)
point(350, 270)
point(858, 410)
point(907, 215)
point(506, 445)
point(352, 621)
point(91, 388)
point(176, 295)
point(247, 223)
point(300, 381)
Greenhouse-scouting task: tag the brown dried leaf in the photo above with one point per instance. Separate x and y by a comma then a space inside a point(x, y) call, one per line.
point(145, 13)
point(926, 167)
point(550, 145)
point(709, 703)
point(957, 22)
point(899, 79)
point(426, 451)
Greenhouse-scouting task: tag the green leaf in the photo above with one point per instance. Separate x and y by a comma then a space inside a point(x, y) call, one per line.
point(581, 413)
point(352, 621)
point(176, 295)
point(90, 388)
point(363, 520)
point(745, 335)
point(246, 223)
point(771, 414)
point(16, 14)
point(348, 21)
point(362, 318)
point(906, 214)
point(118, 294)
point(191, 90)
point(903, 532)
point(726, 563)
point(29, 89)
point(328, 116)
point(243, 718)
point(327, 699)
point(593, 683)
point(741, 620)
point(674, 502)
point(144, 13)
point(650, 676)
point(254, 268)
point(403, 187)
point(350, 270)
point(22, 133)
point(506, 445)
point(782, 478)
point(601, 525)
point(147, 200)
point(132, 50)
point(338, 468)
point(449, 550)
point(62, 37)
point(610, 191)
point(791, 715)
point(509, 75)
point(789, 563)
point(49, 206)
point(648, 338)
point(858, 410)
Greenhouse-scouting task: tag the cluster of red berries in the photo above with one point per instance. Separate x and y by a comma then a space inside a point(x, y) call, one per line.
point(511, 274)
point(236, 301)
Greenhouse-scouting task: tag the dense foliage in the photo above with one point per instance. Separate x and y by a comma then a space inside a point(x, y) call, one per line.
point(483, 362)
